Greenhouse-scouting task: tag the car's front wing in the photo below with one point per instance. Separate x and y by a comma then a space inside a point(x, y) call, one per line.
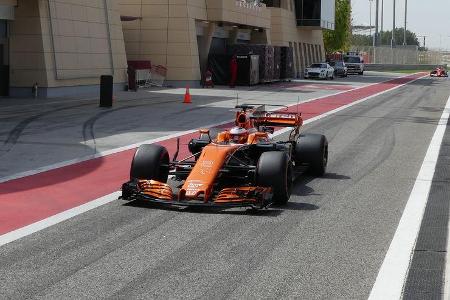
point(156, 192)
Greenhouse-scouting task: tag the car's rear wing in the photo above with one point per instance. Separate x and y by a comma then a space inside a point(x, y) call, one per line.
point(280, 119)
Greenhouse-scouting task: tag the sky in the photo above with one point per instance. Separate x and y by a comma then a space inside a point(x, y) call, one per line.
point(425, 17)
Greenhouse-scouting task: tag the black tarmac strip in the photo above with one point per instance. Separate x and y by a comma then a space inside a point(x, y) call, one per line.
point(427, 268)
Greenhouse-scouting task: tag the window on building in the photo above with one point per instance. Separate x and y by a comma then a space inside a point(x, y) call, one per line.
point(3, 29)
point(313, 53)
point(308, 12)
point(297, 59)
point(320, 53)
point(302, 55)
point(315, 13)
point(307, 62)
point(294, 49)
point(316, 53)
point(308, 58)
point(310, 53)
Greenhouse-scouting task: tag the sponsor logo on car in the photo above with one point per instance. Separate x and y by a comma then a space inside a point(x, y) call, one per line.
point(194, 185)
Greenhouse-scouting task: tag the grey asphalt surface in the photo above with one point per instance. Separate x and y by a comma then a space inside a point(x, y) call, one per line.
point(327, 243)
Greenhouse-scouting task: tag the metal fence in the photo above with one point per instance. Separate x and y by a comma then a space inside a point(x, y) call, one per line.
point(408, 55)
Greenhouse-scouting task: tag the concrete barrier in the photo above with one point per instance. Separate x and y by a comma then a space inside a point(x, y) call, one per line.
point(388, 67)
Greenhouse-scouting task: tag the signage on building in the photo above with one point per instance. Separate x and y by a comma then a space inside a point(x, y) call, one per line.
point(243, 35)
point(221, 33)
point(251, 4)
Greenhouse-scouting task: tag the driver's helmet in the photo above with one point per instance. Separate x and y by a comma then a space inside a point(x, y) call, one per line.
point(238, 135)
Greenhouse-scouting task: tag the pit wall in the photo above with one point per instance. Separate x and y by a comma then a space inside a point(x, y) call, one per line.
point(394, 67)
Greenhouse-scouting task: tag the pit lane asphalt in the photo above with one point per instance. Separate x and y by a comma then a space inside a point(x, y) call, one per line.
point(329, 242)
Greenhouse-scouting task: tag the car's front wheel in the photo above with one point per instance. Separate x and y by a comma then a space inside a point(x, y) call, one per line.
point(274, 170)
point(150, 162)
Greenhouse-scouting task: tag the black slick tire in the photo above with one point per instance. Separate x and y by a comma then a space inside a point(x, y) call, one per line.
point(312, 149)
point(275, 170)
point(150, 162)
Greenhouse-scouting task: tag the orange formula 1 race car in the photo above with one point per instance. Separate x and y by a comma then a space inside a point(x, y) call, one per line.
point(240, 167)
point(439, 72)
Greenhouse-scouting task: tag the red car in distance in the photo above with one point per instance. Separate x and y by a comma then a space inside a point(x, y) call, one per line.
point(439, 72)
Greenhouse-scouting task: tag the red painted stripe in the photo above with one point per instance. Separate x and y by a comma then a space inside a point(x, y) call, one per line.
point(33, 198)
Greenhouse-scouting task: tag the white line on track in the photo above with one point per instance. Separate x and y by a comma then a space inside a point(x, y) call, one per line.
point(394, 270)
point(65, 215)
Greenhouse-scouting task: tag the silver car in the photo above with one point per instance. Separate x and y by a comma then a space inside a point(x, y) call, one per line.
point(321, 71)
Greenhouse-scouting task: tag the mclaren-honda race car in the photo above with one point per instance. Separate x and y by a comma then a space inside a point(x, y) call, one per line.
point(439, 72)
point(239, 167)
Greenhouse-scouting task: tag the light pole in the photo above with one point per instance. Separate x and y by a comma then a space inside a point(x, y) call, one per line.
point(370, 17)
point(406, 14)
point(393, 27)
point(382, 12)
point(375, 37)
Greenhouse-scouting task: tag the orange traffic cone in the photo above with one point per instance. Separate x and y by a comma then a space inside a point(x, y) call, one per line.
point(187, 96)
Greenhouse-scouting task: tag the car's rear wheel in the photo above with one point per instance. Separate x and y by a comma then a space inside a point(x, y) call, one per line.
point(312, 149)
point(274, 170)
point(150, 162)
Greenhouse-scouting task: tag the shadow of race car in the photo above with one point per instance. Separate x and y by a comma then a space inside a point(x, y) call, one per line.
point(239, 167)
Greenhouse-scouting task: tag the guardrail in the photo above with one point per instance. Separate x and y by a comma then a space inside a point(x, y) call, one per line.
point(409, 55)
point(388, 67)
